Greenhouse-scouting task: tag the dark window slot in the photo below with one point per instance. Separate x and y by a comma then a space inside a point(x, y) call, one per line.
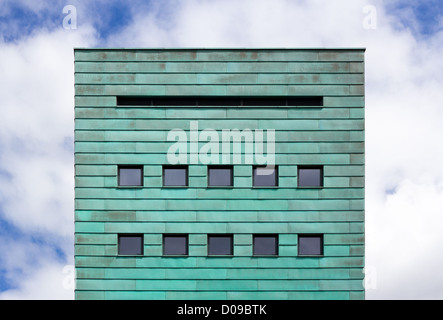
point(220, 101)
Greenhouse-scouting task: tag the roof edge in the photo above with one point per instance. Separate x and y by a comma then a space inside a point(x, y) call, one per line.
point(226, 49)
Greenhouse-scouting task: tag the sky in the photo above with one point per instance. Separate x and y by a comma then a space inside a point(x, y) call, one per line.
point(404, 116)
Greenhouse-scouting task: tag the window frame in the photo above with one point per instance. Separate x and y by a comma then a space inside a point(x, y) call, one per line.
point(129, 166)
point(178, 166)
point(215, 167)
point(122, 235)
point(177, 235)
point(302, 167)
point(265, 186)
point(311, 235)
point(231, 247)
point(273, 235)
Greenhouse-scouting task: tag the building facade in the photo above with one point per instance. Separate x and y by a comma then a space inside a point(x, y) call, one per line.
point(219, 173)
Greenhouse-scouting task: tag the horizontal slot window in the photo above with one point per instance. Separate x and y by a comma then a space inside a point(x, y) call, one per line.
point(303, 101)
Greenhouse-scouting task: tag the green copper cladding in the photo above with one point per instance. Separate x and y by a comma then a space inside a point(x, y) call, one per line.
point(329, 136)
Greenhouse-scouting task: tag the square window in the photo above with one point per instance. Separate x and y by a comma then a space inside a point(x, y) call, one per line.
point(265, 176)
point(175, 244)
point(175, 176)
point(131, 176)
point(265, 245)
point(310, 245)
point(310, 176)
point(220, 176)
point(220, 245)
point(130, 244)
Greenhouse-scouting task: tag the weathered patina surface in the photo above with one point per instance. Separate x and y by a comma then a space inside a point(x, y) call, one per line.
point(107, 135)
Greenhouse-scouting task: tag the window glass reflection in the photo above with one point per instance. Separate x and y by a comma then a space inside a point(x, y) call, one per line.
point(265, 176)
point(130, 176)
point(310, 245)
point(130, 244)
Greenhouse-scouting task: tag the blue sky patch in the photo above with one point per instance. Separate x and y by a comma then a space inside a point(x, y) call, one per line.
point(422, 17)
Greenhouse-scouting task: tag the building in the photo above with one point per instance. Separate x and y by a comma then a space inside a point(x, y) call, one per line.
point(219, 173)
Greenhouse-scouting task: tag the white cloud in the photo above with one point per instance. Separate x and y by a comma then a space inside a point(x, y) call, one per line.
point(36, 159)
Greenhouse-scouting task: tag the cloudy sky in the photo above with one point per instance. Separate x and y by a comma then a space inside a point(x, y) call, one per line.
point(404, 117)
